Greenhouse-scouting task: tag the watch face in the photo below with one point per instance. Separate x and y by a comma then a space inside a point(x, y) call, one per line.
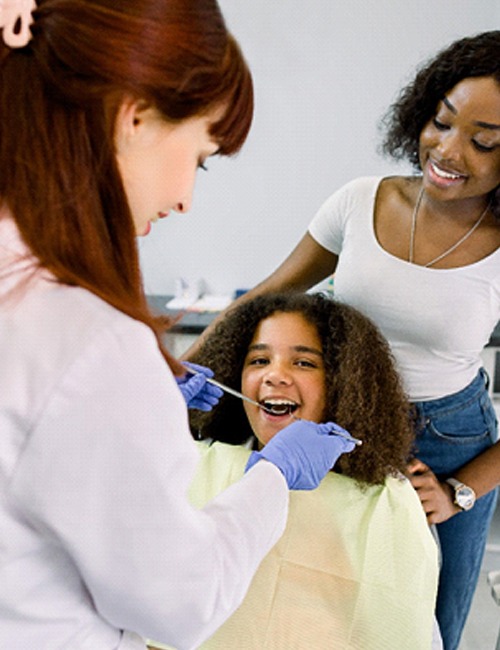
point(465, 497)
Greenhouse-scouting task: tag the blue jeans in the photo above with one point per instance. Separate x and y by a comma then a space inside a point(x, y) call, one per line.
point(450, 432)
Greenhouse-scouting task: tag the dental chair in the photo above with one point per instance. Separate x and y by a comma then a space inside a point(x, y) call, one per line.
point(494, 582)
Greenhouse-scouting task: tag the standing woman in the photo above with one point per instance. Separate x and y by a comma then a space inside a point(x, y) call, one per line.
point(106, 110)
point(420, 256)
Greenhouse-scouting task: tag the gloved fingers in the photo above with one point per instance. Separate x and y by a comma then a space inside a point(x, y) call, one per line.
point(206, 399)
point(190, 387)
point(201, 405)
point(212, 393)
point(198, 369)
point(341, 445)
point(333, 429)
point(198, 394)
point(305, 452)
point(329, 428)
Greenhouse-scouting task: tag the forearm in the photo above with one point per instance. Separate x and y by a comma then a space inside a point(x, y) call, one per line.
point(268, 285)
point(437, 497)
point(308, 264)
point(482, 473)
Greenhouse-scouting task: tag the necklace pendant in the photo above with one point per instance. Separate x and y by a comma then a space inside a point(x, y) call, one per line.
point(451, 248)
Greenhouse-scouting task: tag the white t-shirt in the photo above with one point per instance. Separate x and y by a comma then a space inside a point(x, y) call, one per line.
point(437, 321)
point(99, 546)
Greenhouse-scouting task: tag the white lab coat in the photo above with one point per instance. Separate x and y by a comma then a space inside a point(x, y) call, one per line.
point(98, 543)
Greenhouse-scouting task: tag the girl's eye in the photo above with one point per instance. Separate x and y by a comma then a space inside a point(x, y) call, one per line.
point(306, 363)
point(257, 361)
point(482, 147)
point(440, 125)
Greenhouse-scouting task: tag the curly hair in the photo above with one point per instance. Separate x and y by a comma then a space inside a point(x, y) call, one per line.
point(473, 56)
point(363, 389)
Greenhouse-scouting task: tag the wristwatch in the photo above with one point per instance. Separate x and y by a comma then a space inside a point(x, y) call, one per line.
point(465, 497)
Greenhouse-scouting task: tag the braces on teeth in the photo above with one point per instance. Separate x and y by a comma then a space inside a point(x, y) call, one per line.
point(279, 408)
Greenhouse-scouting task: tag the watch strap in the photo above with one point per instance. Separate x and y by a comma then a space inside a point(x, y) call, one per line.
point(455, 483)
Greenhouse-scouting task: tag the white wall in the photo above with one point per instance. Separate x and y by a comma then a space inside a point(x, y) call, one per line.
point(324, 73)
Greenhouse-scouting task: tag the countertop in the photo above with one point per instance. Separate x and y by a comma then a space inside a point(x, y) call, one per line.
point(195, 322)
point(192, 322)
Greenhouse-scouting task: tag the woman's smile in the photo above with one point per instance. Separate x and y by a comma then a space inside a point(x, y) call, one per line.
point(460, 145)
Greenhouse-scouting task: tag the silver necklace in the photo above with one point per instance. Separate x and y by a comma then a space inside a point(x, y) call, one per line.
point(449, 250)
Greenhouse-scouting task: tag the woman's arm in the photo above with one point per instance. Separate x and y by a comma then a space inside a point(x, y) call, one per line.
point(482, 474)
point(105, 473)
point(308, 264)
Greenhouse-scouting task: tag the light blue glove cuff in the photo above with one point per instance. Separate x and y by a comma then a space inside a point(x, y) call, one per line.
point(255, 456)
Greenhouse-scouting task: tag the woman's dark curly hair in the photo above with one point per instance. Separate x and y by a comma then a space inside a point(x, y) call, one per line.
point(363, 390)
point(474, 56)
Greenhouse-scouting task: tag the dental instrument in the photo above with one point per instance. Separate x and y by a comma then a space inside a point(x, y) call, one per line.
point(235, 393)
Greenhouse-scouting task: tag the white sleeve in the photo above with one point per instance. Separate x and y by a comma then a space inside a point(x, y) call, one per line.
point(105, 473)
point(328, 226)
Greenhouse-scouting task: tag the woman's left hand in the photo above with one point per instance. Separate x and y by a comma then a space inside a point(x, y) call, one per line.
point(197, 393)
point(435, 497)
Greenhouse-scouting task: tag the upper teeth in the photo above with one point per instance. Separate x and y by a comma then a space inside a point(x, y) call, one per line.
point(279, 406)
point(440, 172)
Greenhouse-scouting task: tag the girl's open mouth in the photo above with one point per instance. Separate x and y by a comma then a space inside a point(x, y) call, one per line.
point(278, 407)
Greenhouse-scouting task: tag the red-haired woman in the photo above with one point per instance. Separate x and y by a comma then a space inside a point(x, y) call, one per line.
point(107, 109)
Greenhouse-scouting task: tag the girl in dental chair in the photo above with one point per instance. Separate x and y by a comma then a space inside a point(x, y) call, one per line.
point(357, 565)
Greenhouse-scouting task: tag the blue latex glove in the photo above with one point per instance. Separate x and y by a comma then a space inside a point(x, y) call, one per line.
point(304, 452)
point(195, 389)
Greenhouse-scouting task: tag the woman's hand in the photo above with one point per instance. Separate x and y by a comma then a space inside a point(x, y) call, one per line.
point(197, 393)
point(436, 497)
point(304, 452)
